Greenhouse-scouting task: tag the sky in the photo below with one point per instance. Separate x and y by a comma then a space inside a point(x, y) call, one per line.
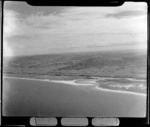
point(30, 30)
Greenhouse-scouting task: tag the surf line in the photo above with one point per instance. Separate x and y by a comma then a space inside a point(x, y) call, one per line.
point(73, 82)
point(119, 91)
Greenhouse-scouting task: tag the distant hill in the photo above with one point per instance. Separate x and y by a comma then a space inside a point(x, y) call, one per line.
point(112, 64)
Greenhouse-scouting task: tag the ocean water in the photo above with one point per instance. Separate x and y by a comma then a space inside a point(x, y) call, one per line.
point(24, 97)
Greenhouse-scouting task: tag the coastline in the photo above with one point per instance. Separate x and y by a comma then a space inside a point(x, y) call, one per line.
point(78, 83)
point(119, 91)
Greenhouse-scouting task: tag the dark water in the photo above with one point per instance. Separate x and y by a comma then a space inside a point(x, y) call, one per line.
point(24, 97)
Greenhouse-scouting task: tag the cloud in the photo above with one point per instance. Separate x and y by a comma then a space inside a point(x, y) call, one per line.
point(10, 22)
point(125, 14)
point(73, 20)
point(10, 29)
point(21, 37)
point(25, 9)
point(69, 29)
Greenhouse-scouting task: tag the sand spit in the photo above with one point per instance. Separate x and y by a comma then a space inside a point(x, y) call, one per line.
point(81, 82)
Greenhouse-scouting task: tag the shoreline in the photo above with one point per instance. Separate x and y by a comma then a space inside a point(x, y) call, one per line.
point(77, 83)
point(119, 91)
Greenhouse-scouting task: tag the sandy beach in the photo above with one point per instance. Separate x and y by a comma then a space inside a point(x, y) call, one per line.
point(93, 83)
point(119, 91)
point(84, 82)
